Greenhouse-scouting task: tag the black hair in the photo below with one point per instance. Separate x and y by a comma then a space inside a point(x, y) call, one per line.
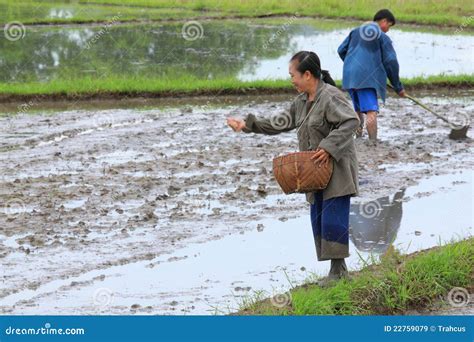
point(385, 14)
point(309, 61)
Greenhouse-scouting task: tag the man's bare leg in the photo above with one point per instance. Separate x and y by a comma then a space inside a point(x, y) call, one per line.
point(372, 125)
point(360, 130)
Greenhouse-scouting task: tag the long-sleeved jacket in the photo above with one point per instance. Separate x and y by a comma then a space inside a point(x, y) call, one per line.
point(329, 125)
point(369, 58)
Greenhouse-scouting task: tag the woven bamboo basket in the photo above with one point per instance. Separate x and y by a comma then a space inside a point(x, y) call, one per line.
point(297, 173)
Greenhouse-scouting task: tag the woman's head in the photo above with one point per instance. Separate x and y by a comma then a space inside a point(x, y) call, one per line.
point(305, 69)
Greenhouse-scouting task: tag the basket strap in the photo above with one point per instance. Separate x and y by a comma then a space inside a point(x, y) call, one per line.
point(307, 114)
point(298, 183)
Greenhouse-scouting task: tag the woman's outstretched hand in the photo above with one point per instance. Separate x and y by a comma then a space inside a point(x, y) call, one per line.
point(321, 157)
point(236, 124)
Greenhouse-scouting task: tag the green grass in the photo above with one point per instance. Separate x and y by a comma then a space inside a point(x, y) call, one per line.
point(396, 284)
point(466, 80)
point(46, 12)
point(134, 85)
point(454, 13)
point(190, 85)
point(425, 12)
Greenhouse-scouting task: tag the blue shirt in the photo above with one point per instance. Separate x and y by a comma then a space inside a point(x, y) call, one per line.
point(369, 58)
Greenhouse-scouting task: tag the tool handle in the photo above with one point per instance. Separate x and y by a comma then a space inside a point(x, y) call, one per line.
point(423, 106)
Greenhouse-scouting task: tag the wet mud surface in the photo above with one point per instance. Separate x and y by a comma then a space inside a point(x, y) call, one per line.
point(86, 190)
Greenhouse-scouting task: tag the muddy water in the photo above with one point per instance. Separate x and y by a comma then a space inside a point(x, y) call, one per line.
point(167, 211)
point(216, 277)
point(248, 50)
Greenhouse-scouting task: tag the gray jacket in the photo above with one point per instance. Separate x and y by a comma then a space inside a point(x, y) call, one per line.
point(329, 125)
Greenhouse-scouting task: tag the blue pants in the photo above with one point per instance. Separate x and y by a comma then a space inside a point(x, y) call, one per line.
point(364, 100)
point(330, 223)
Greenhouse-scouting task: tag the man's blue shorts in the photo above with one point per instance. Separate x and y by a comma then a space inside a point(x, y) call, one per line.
point(364, 100)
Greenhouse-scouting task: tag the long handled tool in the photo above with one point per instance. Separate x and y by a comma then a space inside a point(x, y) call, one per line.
point(457, 132)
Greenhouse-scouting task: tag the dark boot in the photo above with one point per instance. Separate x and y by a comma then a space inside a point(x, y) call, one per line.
point(338, 270)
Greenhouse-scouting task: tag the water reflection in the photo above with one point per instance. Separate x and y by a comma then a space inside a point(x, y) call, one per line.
point(60, 13)
point(284, 250)
point(146, 50)
point(374, 225)
point(227, 49)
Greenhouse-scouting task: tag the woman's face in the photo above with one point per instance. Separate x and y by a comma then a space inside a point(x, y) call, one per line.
point(300, 81)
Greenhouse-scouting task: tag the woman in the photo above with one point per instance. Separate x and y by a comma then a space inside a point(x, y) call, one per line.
point(325, 123)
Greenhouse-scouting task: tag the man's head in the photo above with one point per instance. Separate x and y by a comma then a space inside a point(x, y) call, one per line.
point(385, 19)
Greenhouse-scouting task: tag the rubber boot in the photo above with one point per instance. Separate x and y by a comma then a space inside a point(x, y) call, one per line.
point(338, 270)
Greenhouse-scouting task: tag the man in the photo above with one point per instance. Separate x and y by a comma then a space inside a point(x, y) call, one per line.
point(369, 58)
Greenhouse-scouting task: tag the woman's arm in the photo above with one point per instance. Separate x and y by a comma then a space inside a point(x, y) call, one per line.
point(276, 124)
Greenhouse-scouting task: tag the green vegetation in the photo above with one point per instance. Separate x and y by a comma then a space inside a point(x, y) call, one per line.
point(396, 284)
point(136, 86)
point(56, 12)
point(439, 81)
point(454, 13)
point(150, 59)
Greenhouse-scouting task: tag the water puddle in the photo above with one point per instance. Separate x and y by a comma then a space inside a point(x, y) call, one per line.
point(228, 49)
point(214, 277)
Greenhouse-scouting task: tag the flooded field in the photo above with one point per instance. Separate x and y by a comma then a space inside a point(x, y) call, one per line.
point(245, 50)
point(164, 210)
